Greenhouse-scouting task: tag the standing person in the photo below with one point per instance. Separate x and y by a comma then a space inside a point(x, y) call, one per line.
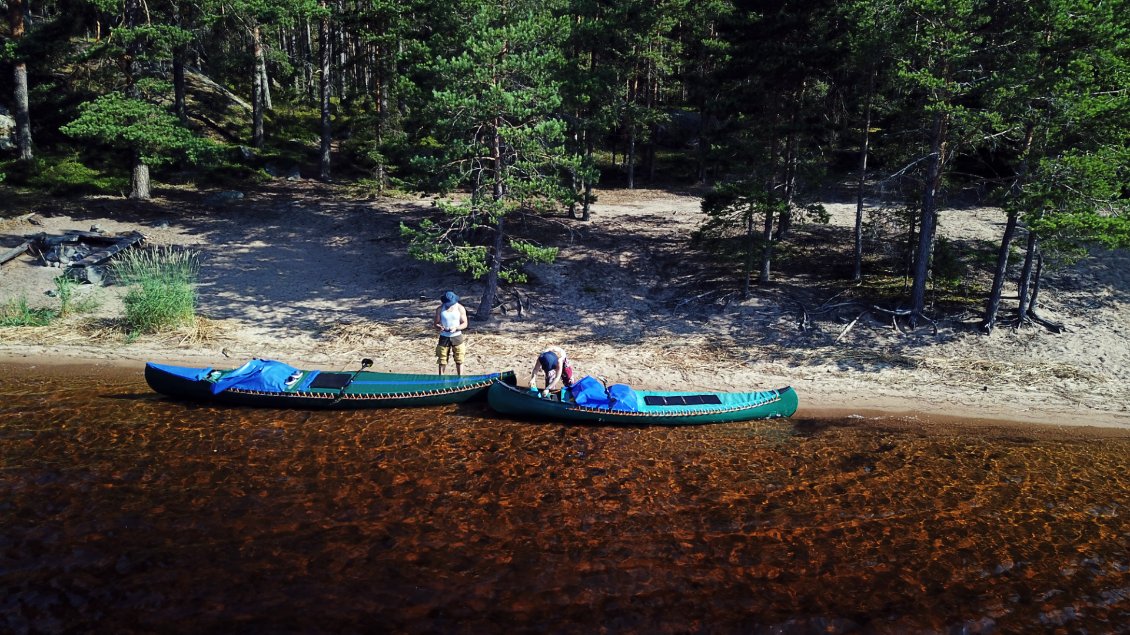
point(555, 364)
point(450, 319)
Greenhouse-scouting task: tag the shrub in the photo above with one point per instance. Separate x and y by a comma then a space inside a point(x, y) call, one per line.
point(163, 294)
point(69, 176)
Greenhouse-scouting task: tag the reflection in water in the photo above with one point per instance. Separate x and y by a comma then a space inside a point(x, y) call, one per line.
point(127, 513)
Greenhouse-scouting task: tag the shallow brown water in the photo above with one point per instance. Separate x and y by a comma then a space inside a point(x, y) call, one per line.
point(123, 512)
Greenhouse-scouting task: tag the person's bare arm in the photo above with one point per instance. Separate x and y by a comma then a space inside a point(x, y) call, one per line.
point(436, 322)
point(462, 317)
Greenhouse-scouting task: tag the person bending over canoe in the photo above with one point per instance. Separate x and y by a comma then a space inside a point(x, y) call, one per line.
point(450, 319)
point(554, 363)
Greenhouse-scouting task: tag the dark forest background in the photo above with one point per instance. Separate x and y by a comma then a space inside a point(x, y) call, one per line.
point(518, 107)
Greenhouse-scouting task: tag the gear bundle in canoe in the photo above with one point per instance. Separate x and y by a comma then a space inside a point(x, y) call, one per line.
point(647, 407)
point(277, 385)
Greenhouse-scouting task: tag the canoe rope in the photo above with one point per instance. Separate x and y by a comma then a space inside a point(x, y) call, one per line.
point(362, 396)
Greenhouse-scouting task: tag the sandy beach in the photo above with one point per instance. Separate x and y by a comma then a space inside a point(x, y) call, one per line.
point(303, 274)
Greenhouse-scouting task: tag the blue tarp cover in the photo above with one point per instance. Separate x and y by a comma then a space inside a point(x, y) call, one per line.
point(257, 374)
point(589, 392)
point(195, 374)
point(622, 397)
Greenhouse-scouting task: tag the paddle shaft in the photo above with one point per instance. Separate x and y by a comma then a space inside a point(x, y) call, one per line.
point(365, 363)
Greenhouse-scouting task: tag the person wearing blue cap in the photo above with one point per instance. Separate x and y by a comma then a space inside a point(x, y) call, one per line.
point(450, 320)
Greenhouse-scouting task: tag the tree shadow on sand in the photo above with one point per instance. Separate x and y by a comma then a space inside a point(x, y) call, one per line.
point(300, 257)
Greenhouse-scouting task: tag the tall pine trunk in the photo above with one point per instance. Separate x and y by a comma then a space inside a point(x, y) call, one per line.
point(929, 218)
point(486, 304)
point(324, 93)
point(630, 124)
point(139, 179)
point(18, 26)
point(750, 235)
point(1024, 300)
point(384, 70)
point(139, 174)
point(586, 208)
point(767, 246)
point(178, 86)
point(256, 91)
point(861, 183)
point(992, 305)
point(789, 177)
point(770, 209)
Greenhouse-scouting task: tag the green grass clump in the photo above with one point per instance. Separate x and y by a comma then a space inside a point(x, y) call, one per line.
point(65, 287)
point(163, 288)
point(18, 313)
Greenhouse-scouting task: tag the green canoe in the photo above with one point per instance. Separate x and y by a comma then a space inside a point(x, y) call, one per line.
point(655, 407)
point(276, 385)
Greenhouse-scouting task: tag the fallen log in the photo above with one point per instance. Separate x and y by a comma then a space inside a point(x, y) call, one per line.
point(9, 254)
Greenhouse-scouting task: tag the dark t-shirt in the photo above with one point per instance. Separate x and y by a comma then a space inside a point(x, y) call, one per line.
point(548, 361)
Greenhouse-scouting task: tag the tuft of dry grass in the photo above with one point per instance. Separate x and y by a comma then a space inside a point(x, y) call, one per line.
point(114, 331)
point(989, 372)
point(369, 338)
point(202, 331)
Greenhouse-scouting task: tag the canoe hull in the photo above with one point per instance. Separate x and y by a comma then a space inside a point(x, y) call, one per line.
point(366, 390)
point(766, 404)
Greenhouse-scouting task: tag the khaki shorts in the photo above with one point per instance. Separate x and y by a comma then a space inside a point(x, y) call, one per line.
point(449, 347)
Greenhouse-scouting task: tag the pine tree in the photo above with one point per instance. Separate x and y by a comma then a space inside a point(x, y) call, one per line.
point(131, 118)
point(496, 112)
point(1063, 106)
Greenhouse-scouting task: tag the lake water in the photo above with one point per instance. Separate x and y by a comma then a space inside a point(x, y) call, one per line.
point(123, 512)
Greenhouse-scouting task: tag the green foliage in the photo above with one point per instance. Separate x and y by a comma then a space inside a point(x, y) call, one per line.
point(500, 137)
point(1076, 200)
point(67, 176)
point(528, 252)
point(736, 207)
point(231, 175)
point(947, 264)
point(431, 242)
point(138, 125)
point(18, 313)
point(162, 294)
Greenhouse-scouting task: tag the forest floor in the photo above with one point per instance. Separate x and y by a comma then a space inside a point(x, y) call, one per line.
point(304, 273)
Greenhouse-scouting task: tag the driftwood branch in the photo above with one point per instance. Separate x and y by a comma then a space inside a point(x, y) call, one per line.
point(521, 305)
point(1054, 327)
point(850, 324)
point(805, 317)
point(9, 254)
point(897, 313)
point(803, 323)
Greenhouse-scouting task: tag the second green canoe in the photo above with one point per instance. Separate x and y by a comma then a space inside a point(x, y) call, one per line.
point(655, 407)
